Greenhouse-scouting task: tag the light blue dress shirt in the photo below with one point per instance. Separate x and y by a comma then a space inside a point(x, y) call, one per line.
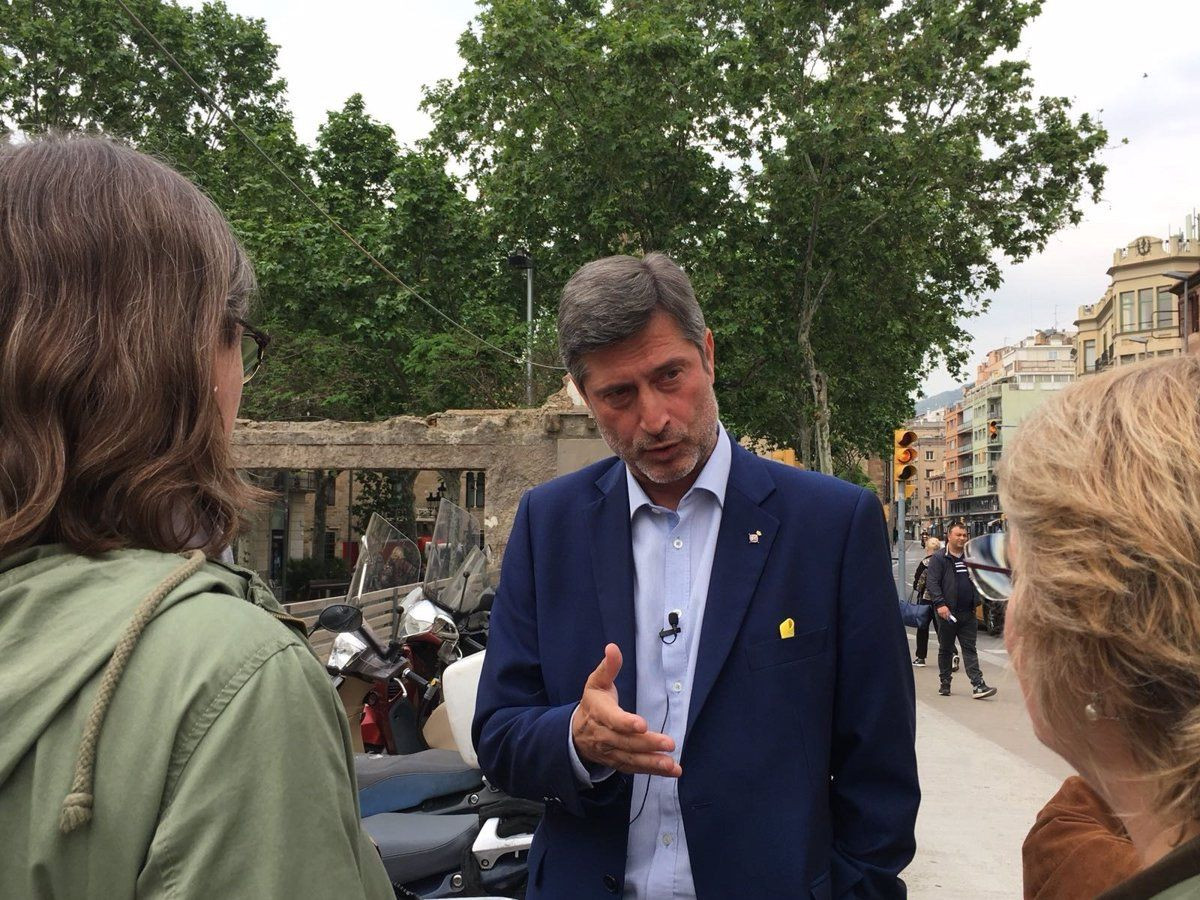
point(673, 554)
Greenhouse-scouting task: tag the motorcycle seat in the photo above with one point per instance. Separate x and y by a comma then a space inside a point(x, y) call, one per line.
point(415, 846)
point(396, 783)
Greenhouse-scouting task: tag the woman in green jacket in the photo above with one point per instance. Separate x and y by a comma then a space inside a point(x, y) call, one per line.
point(166, 730)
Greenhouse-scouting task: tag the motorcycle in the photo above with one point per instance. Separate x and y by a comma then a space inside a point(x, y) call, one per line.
point(441, 829)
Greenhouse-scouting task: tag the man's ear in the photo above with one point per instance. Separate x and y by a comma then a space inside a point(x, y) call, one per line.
point(710, 357)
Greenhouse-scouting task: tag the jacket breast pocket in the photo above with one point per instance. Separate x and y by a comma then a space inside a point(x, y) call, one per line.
point(777, 651)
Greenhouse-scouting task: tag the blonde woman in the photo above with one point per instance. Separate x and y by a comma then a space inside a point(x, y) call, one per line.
point(1102, 492)
point(166, 731)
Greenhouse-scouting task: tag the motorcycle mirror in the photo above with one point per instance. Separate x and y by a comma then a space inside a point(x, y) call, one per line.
point(340, 618)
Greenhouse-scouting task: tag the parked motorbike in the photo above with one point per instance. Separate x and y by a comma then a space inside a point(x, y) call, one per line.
point(442, 619)
point(442, 830)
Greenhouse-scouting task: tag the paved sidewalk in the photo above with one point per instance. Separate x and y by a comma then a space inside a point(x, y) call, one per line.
point(978, 802)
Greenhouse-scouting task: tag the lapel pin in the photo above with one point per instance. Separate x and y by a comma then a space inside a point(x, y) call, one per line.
point(754, 536)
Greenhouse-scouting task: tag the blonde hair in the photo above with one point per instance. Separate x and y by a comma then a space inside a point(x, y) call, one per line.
point(119, 281)
point(933, 544)
point(1101, 487)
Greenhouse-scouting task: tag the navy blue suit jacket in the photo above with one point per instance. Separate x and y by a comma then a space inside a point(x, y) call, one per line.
point(799, 770)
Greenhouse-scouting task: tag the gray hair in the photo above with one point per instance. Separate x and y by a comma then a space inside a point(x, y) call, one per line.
point(612, 299)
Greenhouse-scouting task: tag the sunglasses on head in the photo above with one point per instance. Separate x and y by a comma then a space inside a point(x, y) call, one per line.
point(986, 558)
point(254, 346)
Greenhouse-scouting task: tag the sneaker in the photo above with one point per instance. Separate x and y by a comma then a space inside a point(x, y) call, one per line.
point(944, 690)
point(954, 665)
point(982, 691)
point(919, 662)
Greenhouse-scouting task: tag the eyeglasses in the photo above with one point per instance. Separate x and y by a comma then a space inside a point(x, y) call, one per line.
point(986, 558)
point(254, 346)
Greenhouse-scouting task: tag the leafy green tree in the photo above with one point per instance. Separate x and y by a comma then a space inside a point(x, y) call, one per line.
point(895, 156)
point(841, 179)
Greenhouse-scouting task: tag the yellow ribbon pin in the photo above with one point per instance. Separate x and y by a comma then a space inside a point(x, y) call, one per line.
point(787, 628)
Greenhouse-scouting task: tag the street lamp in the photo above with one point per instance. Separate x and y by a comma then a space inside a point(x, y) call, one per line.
point(521, 259)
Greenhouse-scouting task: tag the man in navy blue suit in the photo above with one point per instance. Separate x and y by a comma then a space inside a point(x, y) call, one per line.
point(696, 658)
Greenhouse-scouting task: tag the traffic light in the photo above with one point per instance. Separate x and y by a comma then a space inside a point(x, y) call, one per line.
point(904, 454)
point(993, 429)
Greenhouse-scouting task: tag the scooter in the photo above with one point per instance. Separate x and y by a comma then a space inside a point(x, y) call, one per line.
point(390, 692)
point(446, 831)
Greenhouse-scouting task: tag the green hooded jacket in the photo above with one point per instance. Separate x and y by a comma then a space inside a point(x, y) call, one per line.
point(222, 766)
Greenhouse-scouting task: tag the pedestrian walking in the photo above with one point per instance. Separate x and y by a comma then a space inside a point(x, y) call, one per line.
point(954, 598)
point(921, 595)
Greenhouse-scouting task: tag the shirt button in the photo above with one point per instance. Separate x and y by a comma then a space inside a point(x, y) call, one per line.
point(677, 544)
point(667, 838)
point(677, 686)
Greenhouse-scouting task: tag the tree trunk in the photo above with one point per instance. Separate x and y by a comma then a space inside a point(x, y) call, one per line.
point(805, 447)
point(819, 394)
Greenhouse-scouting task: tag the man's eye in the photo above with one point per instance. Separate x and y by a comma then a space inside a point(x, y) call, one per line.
point(672, 374)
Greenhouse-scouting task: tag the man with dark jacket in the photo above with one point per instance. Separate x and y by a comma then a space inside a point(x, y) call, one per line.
point(954, 598)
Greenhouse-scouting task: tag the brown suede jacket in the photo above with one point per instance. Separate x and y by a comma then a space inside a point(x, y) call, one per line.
point(1077, 848)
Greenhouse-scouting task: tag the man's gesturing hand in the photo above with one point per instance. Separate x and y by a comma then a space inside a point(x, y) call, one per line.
point(607, 735)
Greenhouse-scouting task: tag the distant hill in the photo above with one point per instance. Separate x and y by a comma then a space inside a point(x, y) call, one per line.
point(937, 401)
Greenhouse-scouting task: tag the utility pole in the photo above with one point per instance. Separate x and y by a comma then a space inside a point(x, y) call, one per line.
point(521, 259)
point(901, 547)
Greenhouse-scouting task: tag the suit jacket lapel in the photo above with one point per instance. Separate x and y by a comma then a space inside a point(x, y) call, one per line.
point(612, 570)
point(737, 567)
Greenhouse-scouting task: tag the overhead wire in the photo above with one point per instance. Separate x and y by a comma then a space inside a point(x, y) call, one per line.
point(324, 213)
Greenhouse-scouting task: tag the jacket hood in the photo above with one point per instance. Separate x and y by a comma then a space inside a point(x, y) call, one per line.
point(62, 615)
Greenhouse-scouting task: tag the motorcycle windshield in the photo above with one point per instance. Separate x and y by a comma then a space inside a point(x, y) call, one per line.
point(456, 566)
point(386, 560)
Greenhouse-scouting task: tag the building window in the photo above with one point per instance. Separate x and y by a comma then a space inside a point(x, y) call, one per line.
point(929, 473)
point(1127, 319)
point(1089, 356)
point(330, 544)
point(928, 455)
point(476, 498)
point(1166, 309)
point(1146, 309)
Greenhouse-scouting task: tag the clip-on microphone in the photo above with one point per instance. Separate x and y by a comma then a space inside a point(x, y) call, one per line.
point(673, 629)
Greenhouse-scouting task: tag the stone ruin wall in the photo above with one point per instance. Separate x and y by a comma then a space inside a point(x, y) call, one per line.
point(517, 448)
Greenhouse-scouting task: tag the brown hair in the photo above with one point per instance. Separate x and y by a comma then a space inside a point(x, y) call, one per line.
point(119, 281)
point(1101, 487)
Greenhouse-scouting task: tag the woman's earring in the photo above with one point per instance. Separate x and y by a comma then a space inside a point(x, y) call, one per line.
point(1094, 711)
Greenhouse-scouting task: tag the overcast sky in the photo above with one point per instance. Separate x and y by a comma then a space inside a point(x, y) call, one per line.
point(1134, 65)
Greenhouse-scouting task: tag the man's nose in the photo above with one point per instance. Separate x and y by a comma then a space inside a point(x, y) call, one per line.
point(654, 414)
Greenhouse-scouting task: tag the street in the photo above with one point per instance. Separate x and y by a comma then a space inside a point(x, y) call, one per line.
point(984, 776)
